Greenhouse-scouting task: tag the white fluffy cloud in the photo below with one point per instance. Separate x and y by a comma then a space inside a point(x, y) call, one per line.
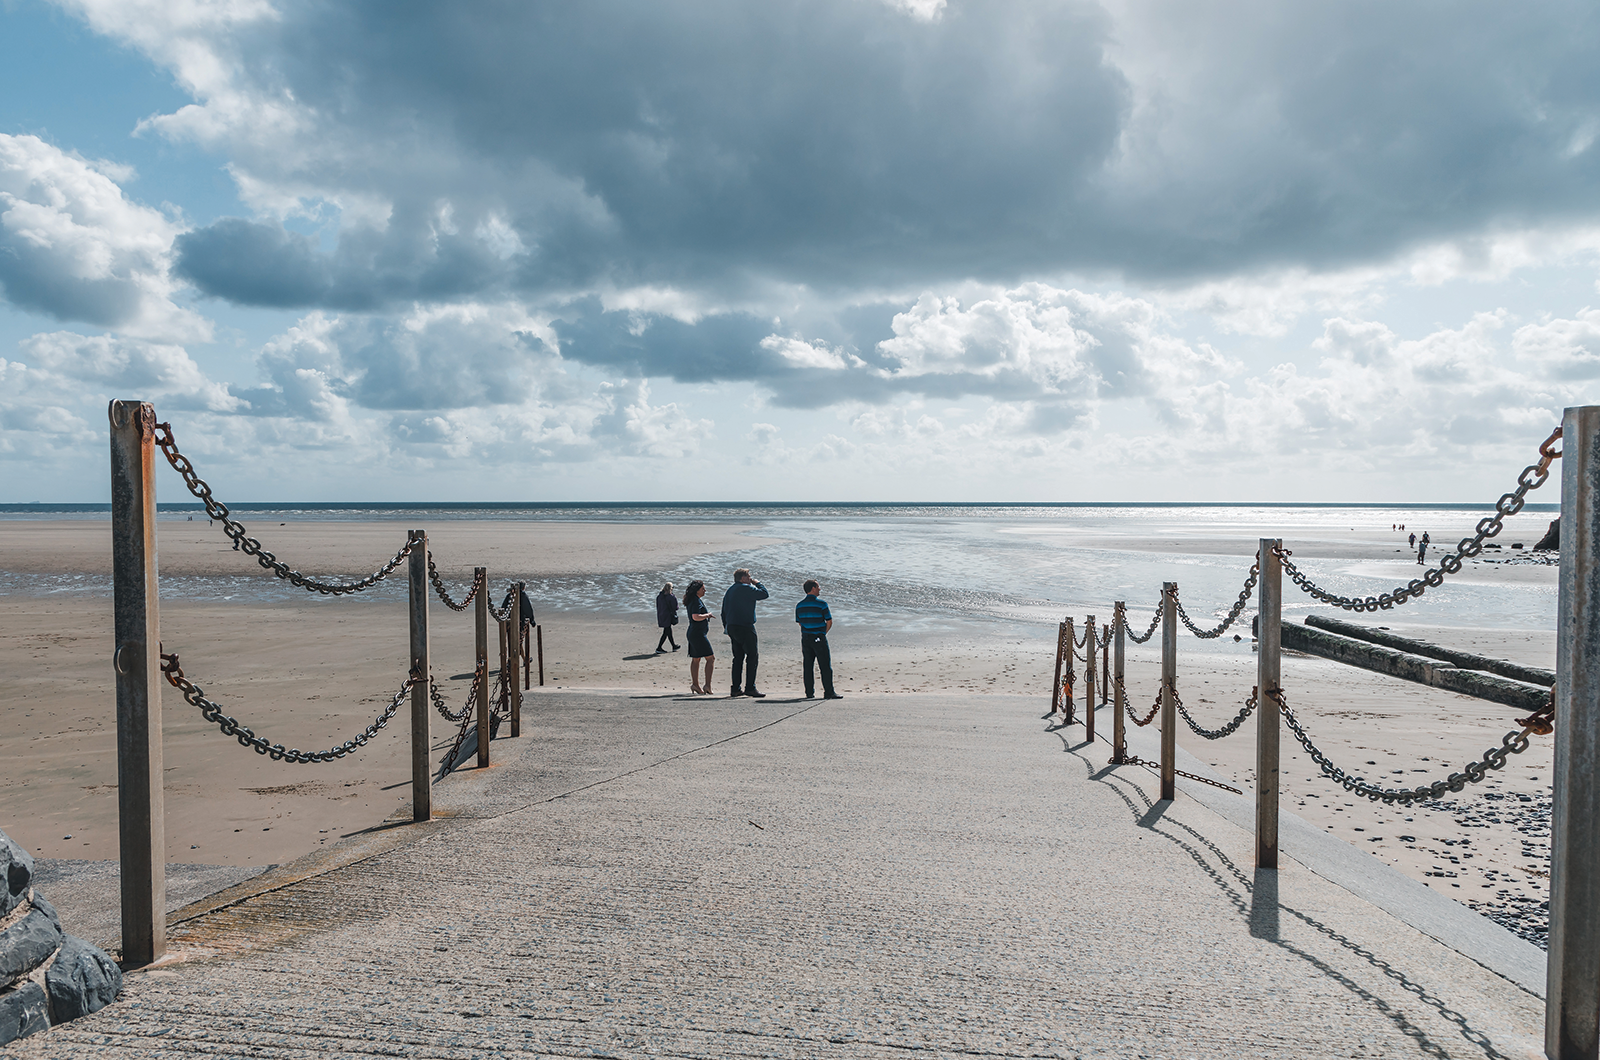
point(73, 247)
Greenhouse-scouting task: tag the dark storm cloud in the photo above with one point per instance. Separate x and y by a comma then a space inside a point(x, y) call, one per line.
point(841, 143)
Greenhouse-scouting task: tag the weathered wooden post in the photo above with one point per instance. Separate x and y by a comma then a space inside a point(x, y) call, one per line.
point(527, 657)
point(1089, 650)
point(513, 647)
point(1068, 657)
point(1572, 975)
point(481, 623)
point(1119, 735)
point(136, 659)
point(1055, 689)
point(421, 737)
point(1169, 683)
point(1269, 636)
point(538, 637)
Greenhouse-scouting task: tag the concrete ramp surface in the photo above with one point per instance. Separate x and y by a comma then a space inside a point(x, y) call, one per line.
point(880, 876)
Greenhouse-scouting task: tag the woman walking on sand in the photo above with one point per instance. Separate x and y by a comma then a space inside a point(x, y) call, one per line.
point(666, 617)
point(699, 642)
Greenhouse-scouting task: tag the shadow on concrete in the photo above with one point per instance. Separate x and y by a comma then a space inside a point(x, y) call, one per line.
point(1258, 903)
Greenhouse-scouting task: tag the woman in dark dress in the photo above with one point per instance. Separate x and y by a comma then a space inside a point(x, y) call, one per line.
point(666, 616)
point(699, 643)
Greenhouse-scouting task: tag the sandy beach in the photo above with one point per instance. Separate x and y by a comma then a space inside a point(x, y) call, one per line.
point(308, 671)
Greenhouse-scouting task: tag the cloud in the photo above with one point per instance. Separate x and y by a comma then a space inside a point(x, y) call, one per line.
point(74, 248)
point(501, 150)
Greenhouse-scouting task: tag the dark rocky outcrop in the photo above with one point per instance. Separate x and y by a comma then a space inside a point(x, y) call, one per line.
point(45, 976)
point(1551, 541)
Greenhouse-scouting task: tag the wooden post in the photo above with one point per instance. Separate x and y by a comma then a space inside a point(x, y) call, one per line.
point(1269, 636)
point(513, 647)
point(1089, 649)
point(527, 658)
point(1572, 975)
point(481, 622)
point(136, 660)
point(1169, 681)
point(421, 709)
point(538, 638)
point(1068, 657)
point(1055, 688)
point(1119, 735)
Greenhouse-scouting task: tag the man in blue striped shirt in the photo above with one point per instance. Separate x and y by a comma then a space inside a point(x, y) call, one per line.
point(815, 621)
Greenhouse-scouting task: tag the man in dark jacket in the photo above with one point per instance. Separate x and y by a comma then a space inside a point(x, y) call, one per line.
point(739, 619)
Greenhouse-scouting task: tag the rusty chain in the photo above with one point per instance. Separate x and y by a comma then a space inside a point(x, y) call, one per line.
point(243, 542)
point(438, 587)
point(1155, 621)
point(472, 695)
point(1533, 476)
point(1540, 722)
point(1128, 706)
point(503, 612)
point(1216, 734)
point(1135, 760)
point(246, 736)
point(1238, 606)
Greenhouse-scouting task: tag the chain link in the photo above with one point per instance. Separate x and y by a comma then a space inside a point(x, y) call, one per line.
point(1127, 705)
point(242, 542)
point(1135, 760)
point(1216, 734)
point(1155, 621)
point(1533, 476)
point(503, 612)
point(1513, 743)
point(247, 737)
point(472, 695)
point(1238, 606)
point(438, 587)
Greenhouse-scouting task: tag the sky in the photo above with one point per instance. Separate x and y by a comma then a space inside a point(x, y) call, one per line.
point(854, 250)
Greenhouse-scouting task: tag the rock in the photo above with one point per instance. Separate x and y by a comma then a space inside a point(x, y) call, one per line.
point(22, 1011)
point(82, 980)
point(1551, 541)
point(16, 865)
point(29, 943)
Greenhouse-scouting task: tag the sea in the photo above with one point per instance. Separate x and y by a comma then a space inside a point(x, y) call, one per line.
point(968, 570)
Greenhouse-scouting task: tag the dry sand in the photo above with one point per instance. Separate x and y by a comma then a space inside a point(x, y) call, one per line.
point(308, 673)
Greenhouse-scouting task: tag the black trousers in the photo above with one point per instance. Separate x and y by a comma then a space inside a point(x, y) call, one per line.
point(666, 638)
point(745, 655)
point(815, 655)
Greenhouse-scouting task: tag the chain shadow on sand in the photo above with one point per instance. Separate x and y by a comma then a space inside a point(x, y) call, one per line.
point(1257, 900)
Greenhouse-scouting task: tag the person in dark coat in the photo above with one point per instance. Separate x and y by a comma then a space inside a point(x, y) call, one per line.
point(739, 619)
point(666, 616)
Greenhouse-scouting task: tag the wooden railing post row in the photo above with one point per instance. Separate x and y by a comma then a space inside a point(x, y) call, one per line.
point(1269, 637)
point(1572, 977)
point(513, 649)
point(1169, 681)
point(421, 735)
point(1119, 735)
point(136, 660)
point(1068, 687)
point(1089, 649)
point(481, 629)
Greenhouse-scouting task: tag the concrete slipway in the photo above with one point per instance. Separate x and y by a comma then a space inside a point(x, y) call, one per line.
point(885, 876)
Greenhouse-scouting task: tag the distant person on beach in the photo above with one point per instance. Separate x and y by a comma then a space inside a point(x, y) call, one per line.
point(739, 619)
point(699, 643)
point(1422, 548)
point(1413, 540)
point(666, 617)
point(815, 621)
